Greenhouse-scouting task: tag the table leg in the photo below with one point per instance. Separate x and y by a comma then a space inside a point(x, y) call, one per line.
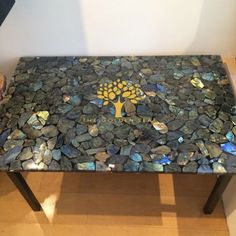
point(220, 186)
point(25, 190)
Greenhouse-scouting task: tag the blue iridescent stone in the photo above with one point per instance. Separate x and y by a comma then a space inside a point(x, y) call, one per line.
point(229, 147)
point(86, 166)
point(230, 136)
point(151, 167)
point(75, 100)
point(98, 102)
point(116, 61)
point(164, 160)
point(37, 85)
point(132, 166)
point(136, 157)
point(160, 88)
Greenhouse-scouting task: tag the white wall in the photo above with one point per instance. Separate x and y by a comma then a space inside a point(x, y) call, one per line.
point(117, 27)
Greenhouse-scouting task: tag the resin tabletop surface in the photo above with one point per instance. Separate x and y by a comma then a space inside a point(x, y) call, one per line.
point(134, 114)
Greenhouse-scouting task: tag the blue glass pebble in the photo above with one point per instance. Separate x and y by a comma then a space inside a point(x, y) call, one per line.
point(229, 147)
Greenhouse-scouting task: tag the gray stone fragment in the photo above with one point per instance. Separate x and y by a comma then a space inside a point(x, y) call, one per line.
point(56, 154)
point(125, 150)
point(204, 169)
point(161, 150)
point(52, 143)
point(90, 109)
point(15, 165)
point(151, 167)
point(156, 78)
point(204, 120)
point(202, 148)
point(26, 154)
point(54, 165)
point(95, 150)
point(175, 124)
point(131, 166)
point(81, 129)
point(97, 142)
point(70, 151)
point(31, 132)
point(117, 159)
point(83, 138)
point(184, 158)
point(69, 136)
point(17, 135)
point(47, 157)
point(208, 76)
point(29, 165)
point(184, 147)
point(144, 111)
point(191, 167)
point(36, 86)
point(120, 142)
point(101, 166)
point(11, 154)
point(104, 127)
point(42, 166)
point(9, 144)
point(64, 125)
point(23, 118)
point(64, 108)
point(216, 125)
point(66, 164)
point(218, 168)
point(218, 138)
point(84, 158)
point(172, 168)
point(49, 131)
point(122, 132)
point(3, 137)
point(213, 149)
point(60, 140)
point(112, 149)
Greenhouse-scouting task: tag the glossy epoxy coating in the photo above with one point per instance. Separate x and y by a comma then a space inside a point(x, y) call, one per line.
point(164, 114)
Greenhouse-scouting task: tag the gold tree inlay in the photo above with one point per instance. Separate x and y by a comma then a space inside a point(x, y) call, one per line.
point(118, 92)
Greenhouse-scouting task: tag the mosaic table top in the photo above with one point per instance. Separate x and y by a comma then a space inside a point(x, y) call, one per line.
point(135, 114)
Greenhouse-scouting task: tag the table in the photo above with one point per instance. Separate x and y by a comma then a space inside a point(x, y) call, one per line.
point(165, 114)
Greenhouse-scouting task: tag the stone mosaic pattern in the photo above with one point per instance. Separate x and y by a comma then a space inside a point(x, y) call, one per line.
point(185, 121)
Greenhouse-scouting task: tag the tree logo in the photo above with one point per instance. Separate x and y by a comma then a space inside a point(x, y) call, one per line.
point(118, 93)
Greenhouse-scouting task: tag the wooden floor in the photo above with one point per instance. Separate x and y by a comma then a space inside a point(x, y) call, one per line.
point(111, 204)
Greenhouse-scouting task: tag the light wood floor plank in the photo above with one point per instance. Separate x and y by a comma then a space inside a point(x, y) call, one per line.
point(105, 204)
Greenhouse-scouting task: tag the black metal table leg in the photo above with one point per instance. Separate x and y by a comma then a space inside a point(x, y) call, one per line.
point(25, 190)
point(219, 188)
